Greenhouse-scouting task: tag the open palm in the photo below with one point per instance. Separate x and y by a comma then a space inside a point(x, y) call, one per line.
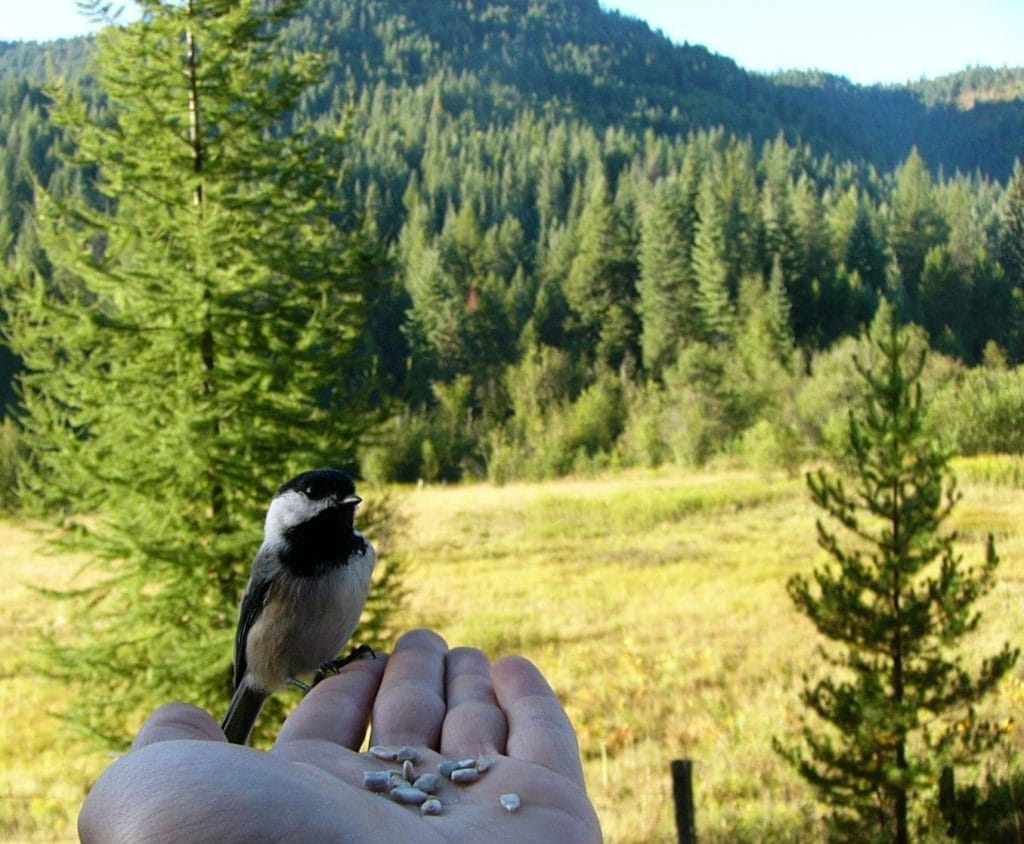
point(182, 782)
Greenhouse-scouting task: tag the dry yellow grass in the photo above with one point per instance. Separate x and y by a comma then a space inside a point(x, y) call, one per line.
point(656, 605)
point(42, 783)
point(653, 601)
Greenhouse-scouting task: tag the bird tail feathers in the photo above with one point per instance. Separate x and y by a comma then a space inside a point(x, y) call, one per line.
point(242, 711)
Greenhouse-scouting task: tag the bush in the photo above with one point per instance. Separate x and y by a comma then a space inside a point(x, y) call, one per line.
point(395, 452)
point(410, 448)
point(575, 434)
point(767, 446)
point(833, 386)
point(981, 412)
point(702, 412)
point(643, 441)
point(506, 459)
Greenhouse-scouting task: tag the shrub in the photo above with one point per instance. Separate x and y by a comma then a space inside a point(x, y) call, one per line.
point(643, 441)
point(702, 413)
point(406, 449)
point(575, 432)
point(981, 412)
point(766, 446)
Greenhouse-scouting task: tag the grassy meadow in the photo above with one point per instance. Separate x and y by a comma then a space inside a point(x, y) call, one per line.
point(653, 601)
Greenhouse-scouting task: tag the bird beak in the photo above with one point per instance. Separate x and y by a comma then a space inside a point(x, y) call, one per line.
point(351, 499)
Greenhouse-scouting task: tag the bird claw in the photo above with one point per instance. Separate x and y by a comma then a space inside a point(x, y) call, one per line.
point(335, 665)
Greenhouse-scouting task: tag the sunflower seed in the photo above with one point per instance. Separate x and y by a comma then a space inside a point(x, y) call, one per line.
point(431, 806)
point(510, 802)
point(462, 776)
point(376, 780)
point(407, 753)
point(446, 767)
point(408, 794)
point(426, 782)
point(386, 754)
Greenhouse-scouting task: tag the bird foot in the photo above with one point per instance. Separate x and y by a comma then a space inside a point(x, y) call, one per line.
point(335, 665)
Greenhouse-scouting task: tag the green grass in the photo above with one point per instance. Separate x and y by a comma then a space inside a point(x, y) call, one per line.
point(653, 601)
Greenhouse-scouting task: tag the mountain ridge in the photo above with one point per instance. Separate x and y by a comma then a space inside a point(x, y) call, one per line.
point(612, 69)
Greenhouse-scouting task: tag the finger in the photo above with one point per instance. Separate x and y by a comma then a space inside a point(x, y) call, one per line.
point(338, 709)
point(474, 724)
point(539, 731)
point(410, 705)
point(176, 721)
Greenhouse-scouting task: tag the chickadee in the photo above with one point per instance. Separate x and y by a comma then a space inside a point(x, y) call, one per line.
point(306, 591)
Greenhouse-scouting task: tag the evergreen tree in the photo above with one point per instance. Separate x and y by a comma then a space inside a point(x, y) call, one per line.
point(1012, 233)
point(741, 218)
point(192, 349)
point(761, 365)
point(666, 301)
point(711, 268)
point(601, 287)
point(863, 250)
point(945, 297)
point(776, 319)
point(917, 223)
point(813, 290)
point(899, 701)
point(435, 322)
point(780, 228)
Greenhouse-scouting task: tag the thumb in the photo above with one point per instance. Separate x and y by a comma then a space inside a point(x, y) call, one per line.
point(177, 721)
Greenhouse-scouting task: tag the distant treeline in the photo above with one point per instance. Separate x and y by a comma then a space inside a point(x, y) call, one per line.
point(573, 273)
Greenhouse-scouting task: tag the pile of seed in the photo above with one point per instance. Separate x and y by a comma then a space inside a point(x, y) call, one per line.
point(405, 786)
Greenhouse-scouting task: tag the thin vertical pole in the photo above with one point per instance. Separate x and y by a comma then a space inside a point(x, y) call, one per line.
point(682, 792)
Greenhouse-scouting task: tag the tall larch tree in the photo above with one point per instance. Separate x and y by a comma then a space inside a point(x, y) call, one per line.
point(193, 346)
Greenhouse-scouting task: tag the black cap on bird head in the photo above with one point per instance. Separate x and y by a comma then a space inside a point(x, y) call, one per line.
point(318, 484)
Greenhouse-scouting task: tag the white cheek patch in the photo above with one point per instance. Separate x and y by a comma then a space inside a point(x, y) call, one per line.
point(288, 510)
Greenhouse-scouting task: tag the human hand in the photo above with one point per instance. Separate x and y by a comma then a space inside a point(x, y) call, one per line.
point(182, 781)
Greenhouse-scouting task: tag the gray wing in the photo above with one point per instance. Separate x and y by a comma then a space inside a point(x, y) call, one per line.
point(253, 600)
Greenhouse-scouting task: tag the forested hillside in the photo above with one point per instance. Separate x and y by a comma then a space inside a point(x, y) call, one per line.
point(597, 246)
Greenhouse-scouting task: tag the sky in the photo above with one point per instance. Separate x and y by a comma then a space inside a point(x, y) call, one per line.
point(867, 41)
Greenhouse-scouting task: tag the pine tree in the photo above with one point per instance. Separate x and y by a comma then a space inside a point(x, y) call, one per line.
point(898, 599)
point(666, 287)
point(864, 251)
point(192, 349)
point(711, 268)
point(601, 286)
point(435, 321)
point(1011, 238)
point(917, 224)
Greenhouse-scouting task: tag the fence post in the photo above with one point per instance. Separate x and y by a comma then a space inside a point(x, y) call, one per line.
point(682, 792)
